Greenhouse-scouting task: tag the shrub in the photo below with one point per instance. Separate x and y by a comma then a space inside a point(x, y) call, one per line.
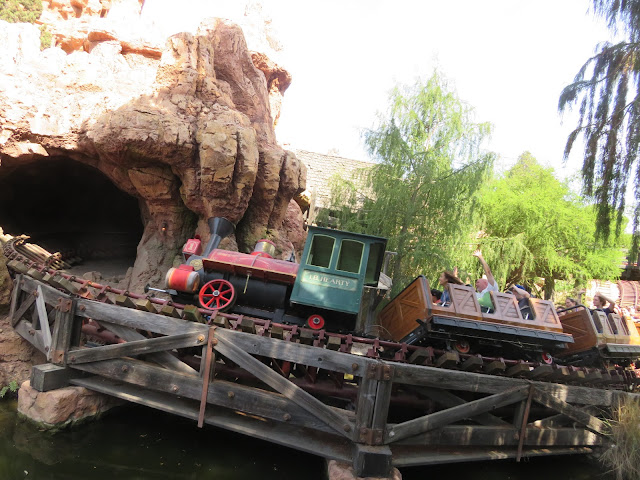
point(20, 11)
point(45, 37)
point(12, 387)
point(623, 457)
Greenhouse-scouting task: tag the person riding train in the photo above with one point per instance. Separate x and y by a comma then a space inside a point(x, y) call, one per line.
point(485, 285)
point(599, 302)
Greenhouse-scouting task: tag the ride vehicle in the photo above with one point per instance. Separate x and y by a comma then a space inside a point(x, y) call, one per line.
point(598, 338)
point(327, 287)
point(412, 317)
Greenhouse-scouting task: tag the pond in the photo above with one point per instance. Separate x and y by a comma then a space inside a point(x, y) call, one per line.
point(139, 443)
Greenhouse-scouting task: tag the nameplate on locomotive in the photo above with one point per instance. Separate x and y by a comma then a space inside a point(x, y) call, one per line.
point(326, 280)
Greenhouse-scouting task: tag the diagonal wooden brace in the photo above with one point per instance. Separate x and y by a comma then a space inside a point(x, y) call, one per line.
point(208, 360)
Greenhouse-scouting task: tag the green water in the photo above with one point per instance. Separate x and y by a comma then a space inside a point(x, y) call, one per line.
point(138, 443)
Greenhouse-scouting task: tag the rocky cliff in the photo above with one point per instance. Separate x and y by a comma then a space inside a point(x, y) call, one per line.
point(184, 126)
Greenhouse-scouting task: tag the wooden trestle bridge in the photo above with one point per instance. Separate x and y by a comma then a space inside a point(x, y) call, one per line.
point(375, 414)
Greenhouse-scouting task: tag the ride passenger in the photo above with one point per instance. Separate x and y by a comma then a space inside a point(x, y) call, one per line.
point(599, 302)
point(570, 302)
point(522, 297)
point(485, 285)
point(445, 279)
point(435, 295)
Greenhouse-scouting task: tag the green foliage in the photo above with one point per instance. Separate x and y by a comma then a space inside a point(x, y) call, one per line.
point(607, 90)
point(45, 37)
point(623, 454)
point(20, 11)
point(422, 192)
point(12, 387)
point(534, 227)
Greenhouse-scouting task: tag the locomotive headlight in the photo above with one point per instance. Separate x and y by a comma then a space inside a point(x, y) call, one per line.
point(182, 279)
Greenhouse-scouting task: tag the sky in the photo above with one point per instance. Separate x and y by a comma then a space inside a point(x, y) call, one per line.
point(509, 59)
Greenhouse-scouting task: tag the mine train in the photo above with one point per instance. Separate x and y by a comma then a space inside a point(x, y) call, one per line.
point(338, 285)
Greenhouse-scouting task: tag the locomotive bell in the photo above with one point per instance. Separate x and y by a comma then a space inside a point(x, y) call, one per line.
point(264, 248)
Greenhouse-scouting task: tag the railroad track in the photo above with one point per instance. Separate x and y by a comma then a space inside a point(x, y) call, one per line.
point(34, 261)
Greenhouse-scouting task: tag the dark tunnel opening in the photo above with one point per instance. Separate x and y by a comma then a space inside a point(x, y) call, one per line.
point(72, 208)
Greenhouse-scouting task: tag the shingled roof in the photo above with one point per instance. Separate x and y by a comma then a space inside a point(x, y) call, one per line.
point(320, 169)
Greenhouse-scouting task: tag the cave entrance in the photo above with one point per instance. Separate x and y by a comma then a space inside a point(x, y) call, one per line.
point(72, 208)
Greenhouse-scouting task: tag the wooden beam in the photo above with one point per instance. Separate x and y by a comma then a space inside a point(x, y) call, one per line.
point(494, 436)
point(131, 349)
point(165, 359)
point(249, 400)
point(448, 399)
point(365, 404)
point(26, 331)
point(580, 416)
point(454, 414)
point(48, 377)
point(370, 461)
point(523, 422)
point(409, 457)
point(560, 420)
point(317, 443)
point(297, 353)
point(314, 406)
point(478, 382)
point(15, 297)
point(43, 318)
point(127, 317)
point(20, 311)
point(63, 328)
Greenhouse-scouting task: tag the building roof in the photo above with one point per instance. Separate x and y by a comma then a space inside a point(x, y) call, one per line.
point(320, 169)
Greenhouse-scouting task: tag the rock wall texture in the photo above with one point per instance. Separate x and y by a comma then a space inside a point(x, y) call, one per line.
point(186, 128)
point(62, 407)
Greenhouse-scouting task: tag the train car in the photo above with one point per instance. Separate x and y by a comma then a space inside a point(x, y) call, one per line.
point(598, 338)
point(412, 317)
point(339, 272)
point(327, 286)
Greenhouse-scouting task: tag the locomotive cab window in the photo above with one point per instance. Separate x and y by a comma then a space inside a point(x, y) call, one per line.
point(320, 251)
point(350, 256)
point(374, 263)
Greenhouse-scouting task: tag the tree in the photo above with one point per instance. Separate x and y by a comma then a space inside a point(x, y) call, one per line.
point(20, 11)
point(421, 192)
point(533, 226)
point(607, 90)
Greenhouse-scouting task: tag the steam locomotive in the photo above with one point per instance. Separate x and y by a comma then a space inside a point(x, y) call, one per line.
point(338, 284)
point(338, 274)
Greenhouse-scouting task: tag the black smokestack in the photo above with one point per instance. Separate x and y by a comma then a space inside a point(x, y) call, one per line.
point(220, 228)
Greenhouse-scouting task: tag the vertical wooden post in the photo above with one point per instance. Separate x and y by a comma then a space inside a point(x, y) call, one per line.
point(65, 333)
point(370, 457)
point(523, 423)
point(15, 297)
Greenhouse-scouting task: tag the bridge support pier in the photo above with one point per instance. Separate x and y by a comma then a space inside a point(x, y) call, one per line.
point(343, 471)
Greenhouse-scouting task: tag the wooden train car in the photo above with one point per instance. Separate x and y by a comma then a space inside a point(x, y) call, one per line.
point(598, 338)
point(412, 317)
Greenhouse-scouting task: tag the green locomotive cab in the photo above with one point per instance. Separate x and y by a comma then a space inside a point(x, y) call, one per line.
point(335, 268)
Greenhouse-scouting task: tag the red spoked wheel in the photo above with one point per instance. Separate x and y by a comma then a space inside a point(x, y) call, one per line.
point(546, 358)
point(462, 346)
point(315, 321)
point(217, 295)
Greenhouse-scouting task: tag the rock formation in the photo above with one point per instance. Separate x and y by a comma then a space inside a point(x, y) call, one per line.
point(186, 127)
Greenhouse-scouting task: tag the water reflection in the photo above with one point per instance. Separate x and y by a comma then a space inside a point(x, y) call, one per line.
point(138, 443)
